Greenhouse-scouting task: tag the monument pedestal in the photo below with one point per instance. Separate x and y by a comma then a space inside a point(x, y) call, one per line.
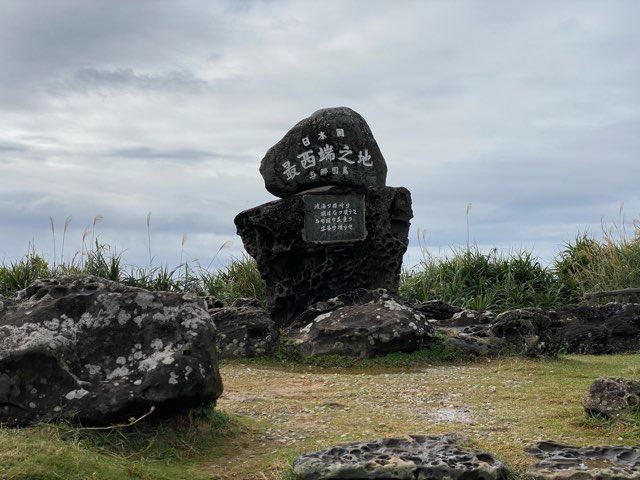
point(319, 243)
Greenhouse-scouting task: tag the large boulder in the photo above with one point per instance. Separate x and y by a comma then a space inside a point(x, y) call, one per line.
point(299, 273)
point(100, 352)
point(244, 330)
point(417, 457)
point(612, 397)
point(333, 146)
point(611, 328)
point(558, 461)
point(362, 324)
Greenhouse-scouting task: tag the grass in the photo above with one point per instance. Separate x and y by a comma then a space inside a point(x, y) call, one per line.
point(467, 278)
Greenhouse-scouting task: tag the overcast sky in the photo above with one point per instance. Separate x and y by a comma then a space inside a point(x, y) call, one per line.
point(527, 110)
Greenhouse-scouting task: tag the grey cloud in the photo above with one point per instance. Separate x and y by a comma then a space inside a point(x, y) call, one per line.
point(86, 80)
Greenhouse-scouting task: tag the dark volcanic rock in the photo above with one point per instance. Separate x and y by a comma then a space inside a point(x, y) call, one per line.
point(413, 458)
point(334, 146)
point(244, 331)
point(612, 397)
point(611, 328)
point(584, 463)
point(101, 352)
point(361, 324)
point(299, 273)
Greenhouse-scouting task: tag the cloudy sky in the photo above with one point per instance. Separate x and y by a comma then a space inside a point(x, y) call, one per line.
point(527, 110)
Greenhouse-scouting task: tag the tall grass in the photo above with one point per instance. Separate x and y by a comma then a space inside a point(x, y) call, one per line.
point(492, 281)
point(467, 278)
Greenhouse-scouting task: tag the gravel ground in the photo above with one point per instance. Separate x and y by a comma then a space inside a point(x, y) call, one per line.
point(498, 405)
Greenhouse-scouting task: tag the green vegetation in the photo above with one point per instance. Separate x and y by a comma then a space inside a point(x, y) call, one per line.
point(467, 278)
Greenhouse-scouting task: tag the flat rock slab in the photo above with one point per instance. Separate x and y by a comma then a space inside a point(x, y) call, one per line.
point(100, 352)
point(333, 146)
point(413, 458)
point(584, 463)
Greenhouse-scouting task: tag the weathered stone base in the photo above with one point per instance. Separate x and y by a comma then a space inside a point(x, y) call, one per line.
point(300, 273)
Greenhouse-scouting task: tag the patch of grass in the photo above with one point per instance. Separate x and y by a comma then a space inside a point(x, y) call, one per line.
point(484, 281)
point(160, 449)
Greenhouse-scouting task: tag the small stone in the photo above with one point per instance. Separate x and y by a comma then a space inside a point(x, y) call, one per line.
point(612, 397)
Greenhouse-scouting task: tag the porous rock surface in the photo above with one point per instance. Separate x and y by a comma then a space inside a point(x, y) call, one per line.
point(612, 397)
point(333, 146)
point(100, 352)
point(567, 462)
point(527, 331)
point(611, 328)
point(362, 323)
point(416, 457)
point(298, 274)
point(244, 330)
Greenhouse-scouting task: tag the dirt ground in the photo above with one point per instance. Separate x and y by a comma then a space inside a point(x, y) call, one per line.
point(501, 406)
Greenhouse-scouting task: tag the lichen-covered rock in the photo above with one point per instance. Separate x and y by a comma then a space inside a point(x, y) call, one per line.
point(100, 352)
point(612, 397)
point(437, 310)
point(466, 318)
point(475, 344)
point(333, 146)
point(416, 457)
point(528, 331)
point(559, 462)
point(611, 328)
point(244, 331)
point(361, 324)
point(299, 273)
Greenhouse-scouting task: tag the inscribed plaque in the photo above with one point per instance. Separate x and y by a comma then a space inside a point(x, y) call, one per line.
point(334, 218)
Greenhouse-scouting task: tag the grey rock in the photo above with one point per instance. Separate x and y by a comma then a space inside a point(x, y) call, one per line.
point(413, 458)
point(314, 154)
point(612, 397)
point(244, 331)
point(246, 302)
point(437, 310)
point(528, 331)
point(298, 273)
point(559, 461)
point(465, 318)
point(475, 346)
point(100, 352)
point(361, 324)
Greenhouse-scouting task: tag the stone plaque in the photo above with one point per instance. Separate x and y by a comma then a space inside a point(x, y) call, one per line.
point(334, 218)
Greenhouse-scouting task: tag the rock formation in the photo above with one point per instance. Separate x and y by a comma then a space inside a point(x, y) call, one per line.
point(613, 398)
point(361, 323)
point(244, 330)
point(338, 227)
point(413, 458)
point(559, 462)
point(97, 351)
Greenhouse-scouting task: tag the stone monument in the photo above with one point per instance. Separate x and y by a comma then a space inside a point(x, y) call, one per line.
point(337, 226)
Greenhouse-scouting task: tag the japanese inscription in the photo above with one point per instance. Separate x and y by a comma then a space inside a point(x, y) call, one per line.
point(334, 218)
point(325, 159)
